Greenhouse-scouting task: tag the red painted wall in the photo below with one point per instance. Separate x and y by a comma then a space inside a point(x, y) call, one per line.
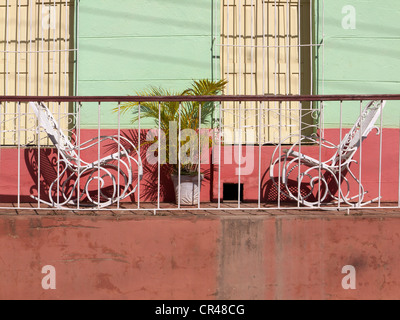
point(281, 256)
point(229, 171)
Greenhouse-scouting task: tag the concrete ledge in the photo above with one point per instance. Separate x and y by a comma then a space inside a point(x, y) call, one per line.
point(201, 256)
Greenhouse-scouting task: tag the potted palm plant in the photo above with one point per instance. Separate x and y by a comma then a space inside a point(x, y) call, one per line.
point(187, 117)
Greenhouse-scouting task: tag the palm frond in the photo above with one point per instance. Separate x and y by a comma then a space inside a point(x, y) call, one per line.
point(163, 113)
point(205, 87)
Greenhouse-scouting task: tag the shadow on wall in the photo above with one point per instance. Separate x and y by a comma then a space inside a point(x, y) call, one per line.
point(149, 184)
point(52, 181)
point(34, 181)
point(51, 170)
point(272, 190)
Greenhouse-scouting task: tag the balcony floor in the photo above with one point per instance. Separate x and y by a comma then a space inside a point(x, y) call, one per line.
point(207, 209)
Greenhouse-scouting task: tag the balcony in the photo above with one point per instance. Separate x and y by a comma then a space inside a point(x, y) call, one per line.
point(235, 162)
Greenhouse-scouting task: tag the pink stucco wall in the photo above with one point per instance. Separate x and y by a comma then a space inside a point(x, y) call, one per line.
point(252, 187)
point(282, 256)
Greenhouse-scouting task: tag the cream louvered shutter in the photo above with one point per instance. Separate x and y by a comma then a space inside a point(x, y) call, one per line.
point(37, 58)
point(265, 50)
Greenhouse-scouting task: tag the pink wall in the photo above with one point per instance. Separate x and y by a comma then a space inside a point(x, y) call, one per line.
point(229, 173)
point(281, 256)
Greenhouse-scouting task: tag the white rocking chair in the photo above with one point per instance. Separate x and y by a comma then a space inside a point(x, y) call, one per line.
point(72, 183)
point(312, 182)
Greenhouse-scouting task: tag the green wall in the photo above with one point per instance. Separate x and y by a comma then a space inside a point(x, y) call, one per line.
point(364, 60)
point(127, 45)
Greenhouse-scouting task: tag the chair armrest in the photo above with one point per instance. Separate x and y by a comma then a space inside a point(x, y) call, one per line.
point(306, 160)
point(124, 150)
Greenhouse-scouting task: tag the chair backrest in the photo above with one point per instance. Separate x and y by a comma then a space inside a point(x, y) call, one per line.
point(47, 121)
point(359, 132)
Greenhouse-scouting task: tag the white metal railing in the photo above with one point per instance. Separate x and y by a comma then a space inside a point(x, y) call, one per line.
point(319, 166)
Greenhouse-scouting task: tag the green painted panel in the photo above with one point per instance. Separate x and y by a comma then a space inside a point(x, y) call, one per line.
point(359, 60)
point(91, 114)
point(128, 45)
point(130, 87)
point(373, 19)
point(89, 111)
point(144, 18)
point(351, 112)
point(362, 59)
point(144, 58)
